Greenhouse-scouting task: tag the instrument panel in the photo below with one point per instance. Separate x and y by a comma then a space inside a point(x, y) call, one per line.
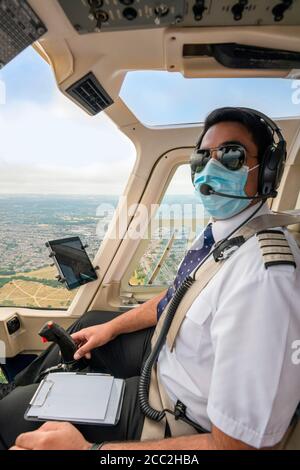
point(89, 16)
point(19, 28)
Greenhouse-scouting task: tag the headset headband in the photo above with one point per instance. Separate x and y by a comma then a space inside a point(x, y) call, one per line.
point(272, 124)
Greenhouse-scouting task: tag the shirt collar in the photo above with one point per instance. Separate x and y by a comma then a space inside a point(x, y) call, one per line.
point(222, 228)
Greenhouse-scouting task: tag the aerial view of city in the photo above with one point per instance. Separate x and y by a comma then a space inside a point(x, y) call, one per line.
point(28, 222)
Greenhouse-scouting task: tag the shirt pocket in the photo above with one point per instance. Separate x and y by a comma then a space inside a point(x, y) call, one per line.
point(199, 311)
point(194, 334)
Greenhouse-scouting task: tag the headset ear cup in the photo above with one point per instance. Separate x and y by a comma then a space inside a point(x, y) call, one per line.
point(268, 171)
point(280, 170)
point(281, 158)
point(272, 168)
point(261, 174)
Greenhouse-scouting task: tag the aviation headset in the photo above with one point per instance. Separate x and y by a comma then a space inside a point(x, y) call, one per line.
point(272, 161)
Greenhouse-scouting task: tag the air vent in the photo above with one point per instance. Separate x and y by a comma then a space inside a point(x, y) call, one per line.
point(233, 55)
point(90, 94)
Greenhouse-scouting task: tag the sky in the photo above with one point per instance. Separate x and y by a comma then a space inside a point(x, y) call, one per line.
point(50, 146)
point(169, 98)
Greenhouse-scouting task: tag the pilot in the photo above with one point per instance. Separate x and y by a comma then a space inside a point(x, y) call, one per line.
point(232, 365)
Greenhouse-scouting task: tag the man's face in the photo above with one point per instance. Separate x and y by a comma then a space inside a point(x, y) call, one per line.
point(225, 132)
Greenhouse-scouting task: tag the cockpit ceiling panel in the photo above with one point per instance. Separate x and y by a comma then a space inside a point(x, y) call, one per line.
point(19, 28)
point(89, 16)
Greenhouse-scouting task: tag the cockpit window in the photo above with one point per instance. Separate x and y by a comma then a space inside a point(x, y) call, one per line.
point(58, 166)
point(180, 217)
point(163, 98)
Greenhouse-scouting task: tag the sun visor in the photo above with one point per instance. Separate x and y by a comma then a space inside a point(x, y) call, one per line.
point(215, 52)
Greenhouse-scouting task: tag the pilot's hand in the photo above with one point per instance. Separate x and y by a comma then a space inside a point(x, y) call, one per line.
point(52, 436)
point(92, 337)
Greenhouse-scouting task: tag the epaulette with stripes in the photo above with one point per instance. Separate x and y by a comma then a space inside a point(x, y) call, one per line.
point(275, 248)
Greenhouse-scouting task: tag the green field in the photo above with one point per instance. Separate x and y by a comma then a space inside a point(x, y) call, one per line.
point(2, 377)
point(37, 289)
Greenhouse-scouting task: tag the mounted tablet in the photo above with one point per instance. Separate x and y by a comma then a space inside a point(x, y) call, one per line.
point(72, 261)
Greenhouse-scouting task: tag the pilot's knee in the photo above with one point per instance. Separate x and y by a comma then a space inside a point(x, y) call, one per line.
point(12, 411)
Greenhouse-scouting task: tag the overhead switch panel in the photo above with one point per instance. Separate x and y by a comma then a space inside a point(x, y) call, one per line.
point(90, 16)
point(19, 28)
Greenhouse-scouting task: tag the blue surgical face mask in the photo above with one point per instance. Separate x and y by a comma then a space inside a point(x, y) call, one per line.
point(225, 181)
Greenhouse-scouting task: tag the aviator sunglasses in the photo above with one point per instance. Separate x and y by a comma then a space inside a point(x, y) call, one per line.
point(231, 156)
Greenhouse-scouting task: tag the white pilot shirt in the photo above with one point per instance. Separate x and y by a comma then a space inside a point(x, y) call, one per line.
point(232, 364)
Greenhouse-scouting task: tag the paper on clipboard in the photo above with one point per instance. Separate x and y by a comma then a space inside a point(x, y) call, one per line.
point(85, 398)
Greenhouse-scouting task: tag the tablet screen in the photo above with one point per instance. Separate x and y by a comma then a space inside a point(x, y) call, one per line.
point(72, 261)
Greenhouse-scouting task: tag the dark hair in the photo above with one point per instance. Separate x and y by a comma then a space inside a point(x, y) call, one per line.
point(261, 133)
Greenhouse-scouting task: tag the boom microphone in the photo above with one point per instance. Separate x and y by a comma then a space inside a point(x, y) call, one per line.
point(208, 190)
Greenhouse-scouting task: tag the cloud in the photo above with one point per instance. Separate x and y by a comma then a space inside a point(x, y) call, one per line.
point(55, 147)
point(92, 179)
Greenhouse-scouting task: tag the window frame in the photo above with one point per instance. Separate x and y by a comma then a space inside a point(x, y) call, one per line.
point(177, 157)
